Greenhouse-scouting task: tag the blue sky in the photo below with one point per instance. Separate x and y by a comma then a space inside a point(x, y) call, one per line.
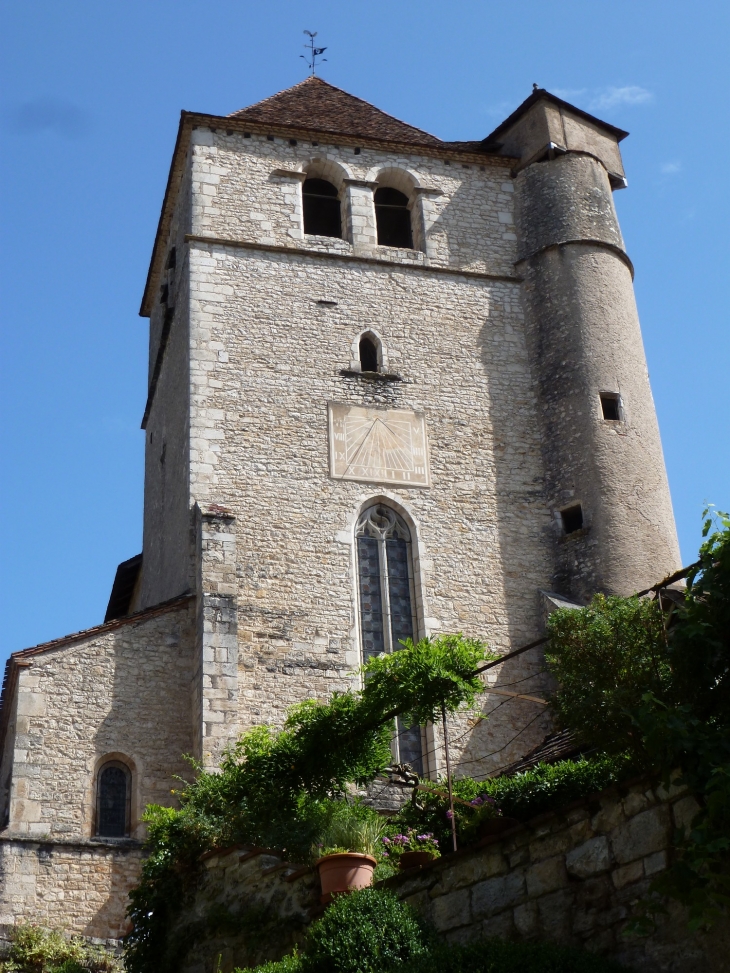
point(90, 95)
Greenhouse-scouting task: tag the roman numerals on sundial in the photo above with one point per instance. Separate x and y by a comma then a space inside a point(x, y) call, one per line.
point(378, 445)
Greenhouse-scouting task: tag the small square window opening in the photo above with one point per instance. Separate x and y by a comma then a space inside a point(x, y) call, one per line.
point(572, 518)
point(611, 406)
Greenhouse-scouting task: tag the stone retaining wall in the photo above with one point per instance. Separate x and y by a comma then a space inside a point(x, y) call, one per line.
point(79, 886)
point(250, 906)
point(575, 876)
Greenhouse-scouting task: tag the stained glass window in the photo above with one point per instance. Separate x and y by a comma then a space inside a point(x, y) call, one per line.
point(113, 801)
point(385, 579)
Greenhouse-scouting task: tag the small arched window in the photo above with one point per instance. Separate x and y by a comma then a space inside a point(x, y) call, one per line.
point(393, 218)
point(113, 800)
point(321, 208)
point(368, 353)
point(385, 582)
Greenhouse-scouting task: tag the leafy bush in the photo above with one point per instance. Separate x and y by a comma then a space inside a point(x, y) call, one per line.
point(364, 932)
point(658, 685)
point(372, 932)
point(546, 787)
point(37, 950)
point(606, 657)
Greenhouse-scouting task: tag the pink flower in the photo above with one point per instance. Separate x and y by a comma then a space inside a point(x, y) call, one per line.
point(449, 815)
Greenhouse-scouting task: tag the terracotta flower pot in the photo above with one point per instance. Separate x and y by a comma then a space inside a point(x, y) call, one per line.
point(414, 859)
point(496, 826)
point(344, 873)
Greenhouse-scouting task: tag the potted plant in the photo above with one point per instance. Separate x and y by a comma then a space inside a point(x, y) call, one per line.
point(348, 853)
point(490, 819)
point(411, 850)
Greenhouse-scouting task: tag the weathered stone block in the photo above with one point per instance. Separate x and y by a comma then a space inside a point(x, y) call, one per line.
point(496, 894)
point(452, 910)
point(641, 835)
point(589, 858)
point(546, 876)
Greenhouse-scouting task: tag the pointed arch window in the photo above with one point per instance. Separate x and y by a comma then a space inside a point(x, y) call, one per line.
point(321, 205)
point(393, 218)
point(385, 583)
point(113, 800)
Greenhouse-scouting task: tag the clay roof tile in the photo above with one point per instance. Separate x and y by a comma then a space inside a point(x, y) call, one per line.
point(317, 105)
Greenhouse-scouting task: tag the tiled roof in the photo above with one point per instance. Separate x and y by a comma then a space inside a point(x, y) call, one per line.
point(562, 745)
point(315, 104)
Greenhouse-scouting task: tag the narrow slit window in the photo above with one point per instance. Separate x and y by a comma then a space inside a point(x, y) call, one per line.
point(385, 581)
point(393, 218)
point(113, 801)
point(321, 206)
point(611, 406)
point(368, 354)
point(572, 518)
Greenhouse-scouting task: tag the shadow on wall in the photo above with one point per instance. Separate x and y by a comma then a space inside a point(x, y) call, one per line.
point(523, 539)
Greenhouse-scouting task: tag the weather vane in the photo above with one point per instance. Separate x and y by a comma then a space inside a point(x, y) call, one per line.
point(314, 52)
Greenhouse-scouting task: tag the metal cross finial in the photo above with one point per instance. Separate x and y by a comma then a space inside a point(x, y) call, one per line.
point(314, 52)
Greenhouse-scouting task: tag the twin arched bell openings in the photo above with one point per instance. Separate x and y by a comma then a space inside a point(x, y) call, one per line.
point(325, 211)
point(387, 603)
point(113, 804)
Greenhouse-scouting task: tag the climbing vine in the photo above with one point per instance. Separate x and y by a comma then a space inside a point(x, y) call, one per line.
point(277, 788)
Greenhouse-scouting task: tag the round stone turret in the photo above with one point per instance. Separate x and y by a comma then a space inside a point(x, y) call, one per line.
point(606, 482)
point(605, 475)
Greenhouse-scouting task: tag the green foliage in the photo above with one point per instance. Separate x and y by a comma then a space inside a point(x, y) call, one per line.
point(352, 827)
point(605, 658)
point(658, 685)
point(415, 682)
point(280, 789)
point(372, 932)
point(37, 950)
point(364, 932)
point(546, 787)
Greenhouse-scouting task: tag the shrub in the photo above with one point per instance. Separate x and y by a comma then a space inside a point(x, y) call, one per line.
point(372, 932)
point(275, 789)
point(546, 787)
point(37, 950)
point(606, 657)
point(368, 931)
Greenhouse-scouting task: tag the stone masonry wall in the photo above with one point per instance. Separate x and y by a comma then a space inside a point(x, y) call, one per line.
point(124, 691)
point(574, 877)
point(250, 906)
point(247, 189)
point(266, 360)
point(81, 887)
point(121, 693)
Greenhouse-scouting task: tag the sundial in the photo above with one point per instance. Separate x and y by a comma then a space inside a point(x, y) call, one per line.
point(378, 445)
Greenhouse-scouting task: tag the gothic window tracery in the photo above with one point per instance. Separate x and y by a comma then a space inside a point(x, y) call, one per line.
point(385, 583)
point(113, 800)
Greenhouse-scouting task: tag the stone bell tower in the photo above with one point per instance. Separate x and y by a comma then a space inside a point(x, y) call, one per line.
point(606, 483)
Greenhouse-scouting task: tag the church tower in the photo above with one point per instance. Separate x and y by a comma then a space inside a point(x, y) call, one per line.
point(396, 388)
